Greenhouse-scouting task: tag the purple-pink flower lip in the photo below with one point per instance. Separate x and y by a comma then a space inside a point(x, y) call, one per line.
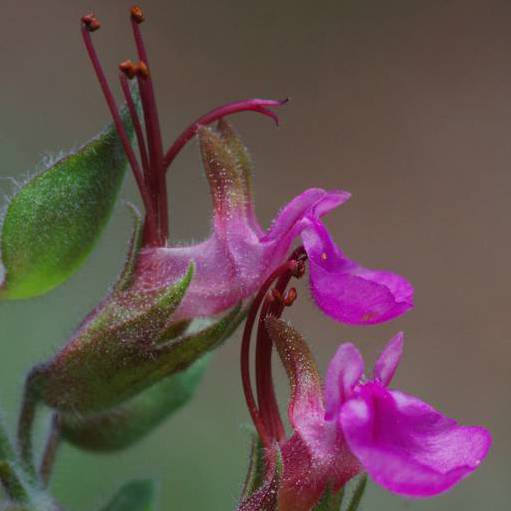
point(352, 424)
point(403, 443)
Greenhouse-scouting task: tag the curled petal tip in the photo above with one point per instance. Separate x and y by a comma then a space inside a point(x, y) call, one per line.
point(269, 113)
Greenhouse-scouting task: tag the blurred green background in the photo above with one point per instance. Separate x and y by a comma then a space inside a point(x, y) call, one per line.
point(405, 104)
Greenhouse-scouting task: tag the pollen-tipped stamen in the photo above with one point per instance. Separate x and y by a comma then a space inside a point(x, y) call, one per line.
point(151, 225)
point(156, 179)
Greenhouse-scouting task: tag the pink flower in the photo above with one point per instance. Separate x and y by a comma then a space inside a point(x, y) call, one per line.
point(404, 444)
point(360, 425)
point(238, 256)
point(233, 263)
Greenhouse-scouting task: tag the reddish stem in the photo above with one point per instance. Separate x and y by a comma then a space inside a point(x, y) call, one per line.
point(136, 121)
point(156, 178)
point(254, 105)
point(266, 418)
point(123, 136)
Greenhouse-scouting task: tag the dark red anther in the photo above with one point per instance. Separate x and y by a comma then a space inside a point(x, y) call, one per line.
point(132, 69)
point(142, 69)
point(91, 22)
point(275, 296)
point(137, 14)
point(290, 297)
point(128, 68)
point(298, 269)
point(87, 18)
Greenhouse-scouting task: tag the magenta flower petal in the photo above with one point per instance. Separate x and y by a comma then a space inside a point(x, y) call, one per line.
point(345, 290)
point(344, 371)
point(406, 445)
point(388, 361)
point(315, 456)
point(314, 202)
point(235, 260)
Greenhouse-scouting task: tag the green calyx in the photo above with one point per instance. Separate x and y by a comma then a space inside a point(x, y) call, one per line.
point(112, 355)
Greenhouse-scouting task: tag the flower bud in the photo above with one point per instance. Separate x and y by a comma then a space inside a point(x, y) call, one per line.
point(129, 342)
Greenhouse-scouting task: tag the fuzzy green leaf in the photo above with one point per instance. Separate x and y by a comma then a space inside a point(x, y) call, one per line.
point(134, 496)
point(53, 222)
point(12, 482)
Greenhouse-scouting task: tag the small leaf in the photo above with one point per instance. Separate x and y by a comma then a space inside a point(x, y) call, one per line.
point(53, 222)
point(134, 496)
point(12, 482)
point(126, 424)
point(358, 493)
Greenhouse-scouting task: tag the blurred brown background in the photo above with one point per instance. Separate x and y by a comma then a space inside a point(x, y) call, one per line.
point(405, 104)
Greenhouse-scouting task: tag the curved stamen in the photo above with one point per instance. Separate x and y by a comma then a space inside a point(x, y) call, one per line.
point(293, 267)
point(248, 105)
point(264, 380)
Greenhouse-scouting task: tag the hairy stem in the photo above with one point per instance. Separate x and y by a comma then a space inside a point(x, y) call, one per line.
point(26, 423)
point(12, 483)
point(50, 450)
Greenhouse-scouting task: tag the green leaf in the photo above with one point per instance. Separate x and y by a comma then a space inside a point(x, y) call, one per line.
point(134, 496)
point(126, 424)
point(12, 482)
point(358, 492)
point(53, 222)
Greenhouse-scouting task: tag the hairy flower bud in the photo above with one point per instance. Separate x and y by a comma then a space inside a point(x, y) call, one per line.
point(127, 343)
